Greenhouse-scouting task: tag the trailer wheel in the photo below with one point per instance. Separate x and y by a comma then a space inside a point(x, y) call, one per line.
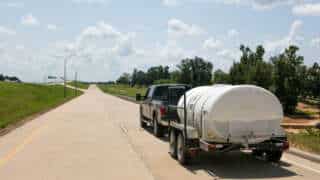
point(257, 153)
point(173, 143)
point(157, 128)
point(181, 150)
point(273, 156)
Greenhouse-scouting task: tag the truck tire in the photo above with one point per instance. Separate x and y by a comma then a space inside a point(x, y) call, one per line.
point(257, 153)
point(157, 128)
point(143, 124)
point(273, 156)
point(173, 143)
point(181, 150)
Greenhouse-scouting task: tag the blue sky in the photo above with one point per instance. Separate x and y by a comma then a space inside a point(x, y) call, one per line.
point(103, 38)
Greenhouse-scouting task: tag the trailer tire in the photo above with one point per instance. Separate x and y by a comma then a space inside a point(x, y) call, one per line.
point(257, 153)
point(182, 154)
point(173, 143)
point(157, 128)
point(273, 156)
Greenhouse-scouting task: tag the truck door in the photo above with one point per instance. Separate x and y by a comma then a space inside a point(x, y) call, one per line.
point(147, 104)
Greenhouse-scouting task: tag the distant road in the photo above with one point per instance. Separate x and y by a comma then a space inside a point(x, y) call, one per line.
point(97, 137)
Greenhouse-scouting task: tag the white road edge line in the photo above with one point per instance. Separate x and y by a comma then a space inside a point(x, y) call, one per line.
point(302, 166)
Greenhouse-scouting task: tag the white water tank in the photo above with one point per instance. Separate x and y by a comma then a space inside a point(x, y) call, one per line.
point(243, 114)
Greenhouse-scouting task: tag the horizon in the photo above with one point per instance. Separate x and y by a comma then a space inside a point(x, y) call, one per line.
point(106, 38)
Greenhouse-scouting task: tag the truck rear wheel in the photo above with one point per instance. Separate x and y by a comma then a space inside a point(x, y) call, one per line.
point(181, 150)
point(157, 128)
point(143, 124)
point(173, 143)
point(273, 156)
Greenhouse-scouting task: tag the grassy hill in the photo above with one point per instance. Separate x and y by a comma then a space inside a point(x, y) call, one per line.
point(79, 85)
point(20, 100)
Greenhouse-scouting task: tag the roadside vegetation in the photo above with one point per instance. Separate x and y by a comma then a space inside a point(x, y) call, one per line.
point(122, 90)
point(79, 84)
point(285, 75)
point(295, 84)
point(20, 100)
point(308, 140)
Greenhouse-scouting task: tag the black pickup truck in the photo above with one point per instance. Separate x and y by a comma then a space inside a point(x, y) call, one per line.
point(154, 106)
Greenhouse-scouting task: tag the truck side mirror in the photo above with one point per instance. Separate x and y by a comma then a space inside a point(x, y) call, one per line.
point(138, 97)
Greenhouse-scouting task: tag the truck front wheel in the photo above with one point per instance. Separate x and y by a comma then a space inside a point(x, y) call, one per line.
point(181, 150)
point(173, 143)
point(273, 156)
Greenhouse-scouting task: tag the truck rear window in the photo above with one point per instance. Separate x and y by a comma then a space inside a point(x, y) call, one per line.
point(175, 95)
point(161, 93)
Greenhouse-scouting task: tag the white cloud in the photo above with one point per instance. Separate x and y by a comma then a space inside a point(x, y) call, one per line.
point(52, 27)
point(212, 43)
point(90, 1)
point(7, 31)
point(29, 20)
point(101, 40)
point(259, 4)
point(20, 47)
point(102, 29)
point(307, 9)
point(233, 33)
point(290, 39)
point(15, 4)
point(124, 46)
point(267, 4)
point(178, 28)
point(170, 3)
point(315, 42)
point(229, 54)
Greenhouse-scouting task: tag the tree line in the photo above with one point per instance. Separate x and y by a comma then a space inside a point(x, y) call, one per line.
point(285, 74)
point(9, 78)
point(195, 71)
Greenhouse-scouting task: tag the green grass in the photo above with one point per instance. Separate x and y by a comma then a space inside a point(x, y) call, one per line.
point(123, 90)
point(311, 101)
point(79, 85)
point(20, 100)
point(308, 140)
point(304, 113)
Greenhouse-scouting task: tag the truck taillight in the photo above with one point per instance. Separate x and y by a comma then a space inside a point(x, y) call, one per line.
point(285, 145)
point(163, 110)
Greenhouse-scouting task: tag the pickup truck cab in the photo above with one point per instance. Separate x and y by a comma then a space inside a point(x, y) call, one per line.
point(154, 106)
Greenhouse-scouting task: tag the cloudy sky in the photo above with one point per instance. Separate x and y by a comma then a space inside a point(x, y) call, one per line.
point(103, 38)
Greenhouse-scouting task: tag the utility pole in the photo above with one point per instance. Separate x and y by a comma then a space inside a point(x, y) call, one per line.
point(65, 77)
point(75, 82)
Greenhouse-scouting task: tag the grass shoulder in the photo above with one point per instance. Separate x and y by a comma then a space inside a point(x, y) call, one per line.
point(79, 84)
point(308, 140)
point(123, 90)
point(21, 100)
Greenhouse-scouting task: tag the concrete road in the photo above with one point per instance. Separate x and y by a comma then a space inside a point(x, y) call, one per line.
point(97, 136)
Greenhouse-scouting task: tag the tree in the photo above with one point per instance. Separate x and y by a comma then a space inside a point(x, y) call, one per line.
point(312, 81)
point(124, 79)
point(220, 77)
point(252, 69)
point(134, 77)
point(1, 77)
point(195, 71)
point(287, 77)
point(141, 78)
